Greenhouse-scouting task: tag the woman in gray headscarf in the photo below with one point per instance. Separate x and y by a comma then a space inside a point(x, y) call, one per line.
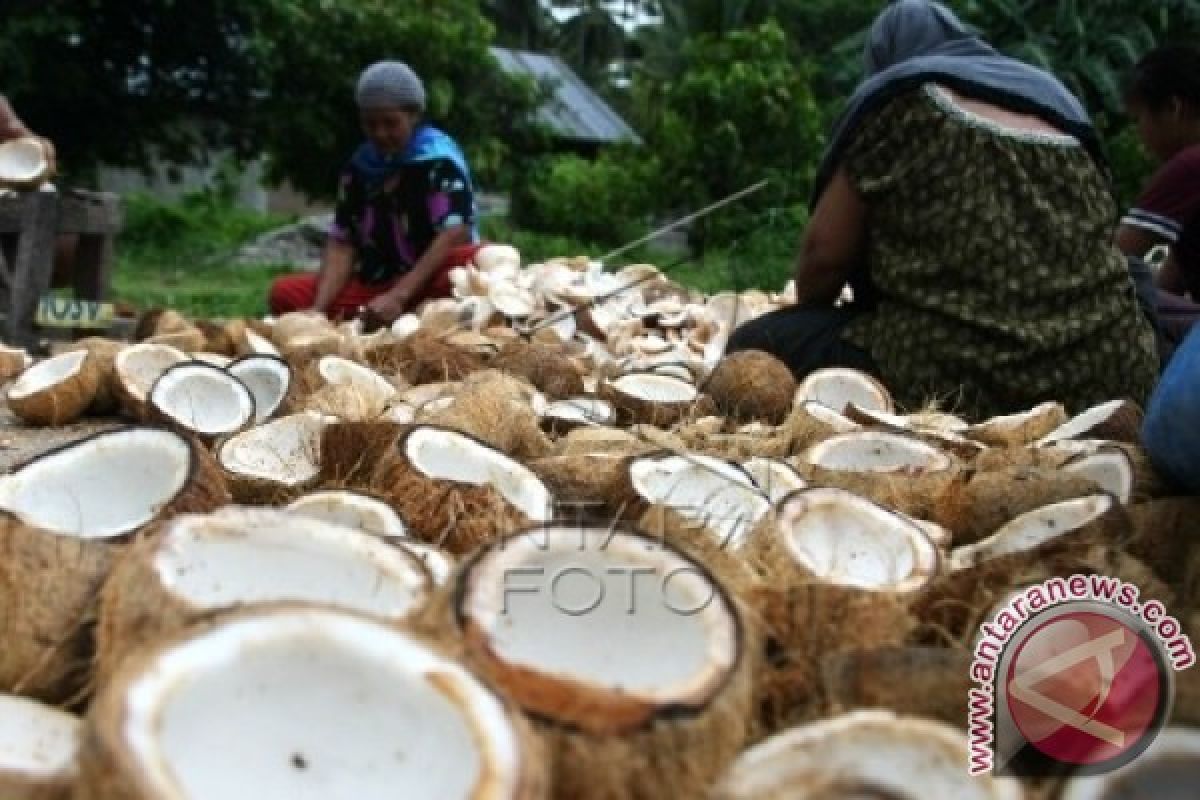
point(965, 200)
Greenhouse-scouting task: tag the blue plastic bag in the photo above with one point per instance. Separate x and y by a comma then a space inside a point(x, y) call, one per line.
point(1171, 432)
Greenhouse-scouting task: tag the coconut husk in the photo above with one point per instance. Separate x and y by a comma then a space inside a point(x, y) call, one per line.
point(109, 770)
point(62, 402)
point(752, 386)
point(738, 446)
point(13, 361)
point(597, 439)
point(456, 517)
point(1000, 458)
point(578, 481)
point(351, 451)
point(1148, 482)
point(930, 682)
point(104, 353)
point(423, 358)
point(980, 503)
point(667, 527)
point(296, 324)
point(635, 410)
point(488, 412)
point(642, 753)
point(1019, 430)
point(302, 350)
point(189, 340)
point(546, 366)
point(807, 620)
point(346, 402)
point(1163, 535)
point(158, 321)
point(915, 494)
point(1186, 708)
point(801, 430)
point(223, 338)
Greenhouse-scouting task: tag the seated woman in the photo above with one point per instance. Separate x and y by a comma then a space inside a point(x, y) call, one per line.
point(405, 211)
point(964, 201)
point(1163, 96)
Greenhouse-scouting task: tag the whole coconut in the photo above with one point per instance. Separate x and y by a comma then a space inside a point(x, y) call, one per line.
point(752, 386)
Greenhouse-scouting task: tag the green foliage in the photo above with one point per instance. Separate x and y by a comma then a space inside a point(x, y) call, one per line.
point(605, 199)
point(740, 112)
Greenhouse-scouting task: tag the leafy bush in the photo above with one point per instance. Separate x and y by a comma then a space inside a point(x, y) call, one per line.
point(605, 200)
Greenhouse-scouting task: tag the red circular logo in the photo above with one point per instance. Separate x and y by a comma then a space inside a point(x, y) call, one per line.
point(1085, 688)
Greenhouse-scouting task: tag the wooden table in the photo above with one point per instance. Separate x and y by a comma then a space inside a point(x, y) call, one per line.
point(37, 218)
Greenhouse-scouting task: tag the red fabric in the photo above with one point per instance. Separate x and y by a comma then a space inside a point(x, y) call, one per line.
point(299, 292)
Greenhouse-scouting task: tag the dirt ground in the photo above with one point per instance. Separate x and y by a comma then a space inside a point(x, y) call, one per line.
point(19, 443)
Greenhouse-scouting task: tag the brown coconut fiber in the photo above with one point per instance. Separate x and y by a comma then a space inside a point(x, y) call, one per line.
point(485, 411)
point(546, 366)
point(931, 682)
point(104, 353)
point(352, 451)
point(423, 358)
point(752, 386)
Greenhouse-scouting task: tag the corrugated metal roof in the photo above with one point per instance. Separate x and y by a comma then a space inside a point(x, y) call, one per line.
point(575, 111)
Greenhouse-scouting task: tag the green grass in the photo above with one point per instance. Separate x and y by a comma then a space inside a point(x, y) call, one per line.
point(180, 256)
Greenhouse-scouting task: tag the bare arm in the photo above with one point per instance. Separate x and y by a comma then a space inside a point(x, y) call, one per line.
point(11, 126)
point(395, 301)
point(833, 243)
point(337, 264)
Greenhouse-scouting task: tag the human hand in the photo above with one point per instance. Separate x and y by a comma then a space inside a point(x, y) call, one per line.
point(384, 310)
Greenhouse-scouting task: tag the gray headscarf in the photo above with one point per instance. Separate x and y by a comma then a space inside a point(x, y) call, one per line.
point(917, 41)
point(390, 84)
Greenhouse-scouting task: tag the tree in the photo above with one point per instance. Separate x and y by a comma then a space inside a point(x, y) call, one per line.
point(521, 24)
point(123, 81)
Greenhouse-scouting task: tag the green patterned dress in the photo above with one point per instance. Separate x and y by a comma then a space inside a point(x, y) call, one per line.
point(990, 250)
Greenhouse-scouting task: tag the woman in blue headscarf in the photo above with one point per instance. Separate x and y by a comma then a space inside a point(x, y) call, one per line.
point(405, 211)
point(965, 200)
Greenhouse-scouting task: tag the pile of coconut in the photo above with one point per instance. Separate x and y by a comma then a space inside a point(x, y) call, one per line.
point(539, 539)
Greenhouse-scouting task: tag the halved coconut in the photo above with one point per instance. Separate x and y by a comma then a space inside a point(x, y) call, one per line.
point(752, 385)
point(876, 451)
point(299, 324)
point(565, 415)
point(334, 702)
point(497, 258)
point(656, 679)
point(493, 408)
point(774, 478)
point(1015, 430)
point(1110, 469)
point(1116, 420)
point(268, 378)
point(338, 371)
point(13, 361)
point(24, 163)
point(257, 344)
point(648, 398)
point(306, 348)
point(940, 437)
point(202, 399)
point(39, 750)
point(932, 682)
point(215, 359)
point(72, 510)
point(437, 562)
point(456, 492)
point(352, 510)
point(1167, 770)
point(423, 357)
point(837, 387)
point(56, 390)
point(189, 340)
point(717, 494)
point(237, 557)
point(863, 754)
point(1091, 519)
point(345, 402)
point(136, 368)
point(274, 461)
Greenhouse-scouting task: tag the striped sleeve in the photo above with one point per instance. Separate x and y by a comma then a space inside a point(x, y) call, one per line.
point(1157, 224)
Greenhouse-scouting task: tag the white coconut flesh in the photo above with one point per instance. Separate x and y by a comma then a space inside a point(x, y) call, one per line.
point(1110, 469)
point(582, 410)
point(324, 705)
point(106, 485)
point(48, 373)
point(774, 478)
point(1078, 426)
point(1168, 770)
point(438, 562)
point(1033, 529)
point(338, 371)
point(837, 387)
point(906, 757)
point(874, 451)
point(268, 379)
point(839, 422)
point(257, 343)
point(655, 388)
point(237, 556)
point(37, 742)
point(419, 396)
point(680, 371)
point(351, 510)
point(938, 534)
point(442, 454)
point(850, 541)
point(22, 160)
point(283, 451)
point(558, 601)
point(216, 359)
point(203, 398)
point(140, 365)
point(1012, 424)
point(720, 495)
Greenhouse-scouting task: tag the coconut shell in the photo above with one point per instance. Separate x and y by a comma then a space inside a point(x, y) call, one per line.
point(351, 451)
point(1010, 432)
point(157, 321)
point(223, 338)
point(635, 410)
point(752, 386)
point(801, 430)
point(917, 494)
point(104, 353)
point(346, 402)
point(981, 502)
point(673, 751)
point(930, 682)
point(108, 768)
point(62, 402)
point(546, 366)
point(457, 517)
point(12, 363)
point(487, 412)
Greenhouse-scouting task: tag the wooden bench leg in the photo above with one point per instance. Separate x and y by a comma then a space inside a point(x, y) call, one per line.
point(33, 266)
point(93, 266)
